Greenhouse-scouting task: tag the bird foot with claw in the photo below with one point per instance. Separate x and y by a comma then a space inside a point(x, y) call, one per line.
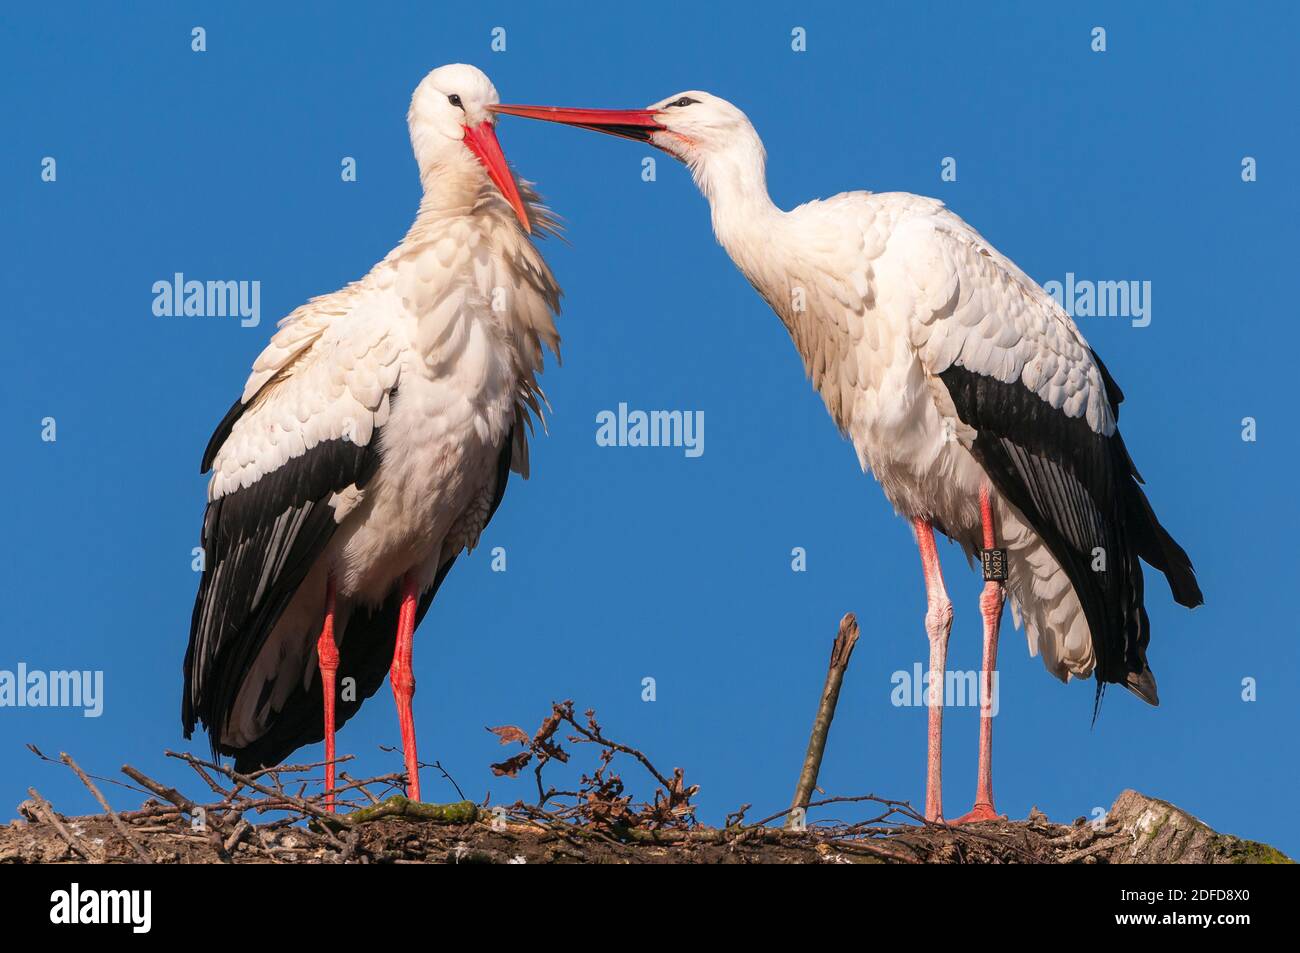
point(983, 811)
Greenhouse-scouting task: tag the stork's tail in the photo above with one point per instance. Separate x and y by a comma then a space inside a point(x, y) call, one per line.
point(1154, 544)
point(1055, 619)
point(1148, 542)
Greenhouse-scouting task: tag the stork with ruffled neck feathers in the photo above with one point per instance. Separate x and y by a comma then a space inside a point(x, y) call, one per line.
point(370, 448)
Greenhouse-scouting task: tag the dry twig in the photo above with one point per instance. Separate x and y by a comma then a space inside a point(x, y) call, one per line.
point(117, 821)
point(841, 651)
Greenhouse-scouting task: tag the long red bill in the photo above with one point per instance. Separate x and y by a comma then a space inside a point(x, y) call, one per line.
point(482, 141)
point(635, 124)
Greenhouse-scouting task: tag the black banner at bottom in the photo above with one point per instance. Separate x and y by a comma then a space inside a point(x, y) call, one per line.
point(129, 903)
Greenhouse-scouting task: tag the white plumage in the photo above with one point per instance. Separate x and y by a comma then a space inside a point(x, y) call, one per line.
point(894, 290)
point(372, 440)
point(966, 390)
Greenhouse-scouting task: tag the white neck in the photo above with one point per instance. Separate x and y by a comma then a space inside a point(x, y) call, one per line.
point(452, 189)
point(734, 180)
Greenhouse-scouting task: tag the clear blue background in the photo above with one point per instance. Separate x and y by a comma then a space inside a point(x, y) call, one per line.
point(627, 563)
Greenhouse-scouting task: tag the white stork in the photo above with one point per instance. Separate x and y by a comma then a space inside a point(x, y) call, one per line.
point(967, 392)
point(371, 446)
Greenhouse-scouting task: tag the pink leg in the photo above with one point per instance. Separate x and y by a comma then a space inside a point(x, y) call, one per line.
point(403, 680)
point(991, 609)
point(938, 623)
point(327, 655)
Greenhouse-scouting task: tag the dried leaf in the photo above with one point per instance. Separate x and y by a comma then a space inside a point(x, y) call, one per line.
point(509, 733)
point(512, 766)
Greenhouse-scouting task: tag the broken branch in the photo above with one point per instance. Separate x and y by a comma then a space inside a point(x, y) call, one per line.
point(841, 650)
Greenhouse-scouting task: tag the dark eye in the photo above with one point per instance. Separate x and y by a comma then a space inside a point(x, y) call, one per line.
point(684, 101)
point(455, 101)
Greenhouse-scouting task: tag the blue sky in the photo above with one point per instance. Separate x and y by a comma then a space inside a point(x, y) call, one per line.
point(626, 563)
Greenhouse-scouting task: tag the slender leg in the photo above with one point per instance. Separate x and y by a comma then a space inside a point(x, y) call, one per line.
point(403, 680)
point(991, 609)
point(938, 623)
point(327, 655)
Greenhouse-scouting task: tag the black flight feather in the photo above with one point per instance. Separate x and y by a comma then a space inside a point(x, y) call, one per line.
point(1080, 492)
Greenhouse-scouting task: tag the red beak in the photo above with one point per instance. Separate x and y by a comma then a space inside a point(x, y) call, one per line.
point(482, 141)
point(635, 124)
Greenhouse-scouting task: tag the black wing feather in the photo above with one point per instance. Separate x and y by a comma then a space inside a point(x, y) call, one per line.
point(1080, 492)
point(259, 544)
point(365, 654)
point(221, 433)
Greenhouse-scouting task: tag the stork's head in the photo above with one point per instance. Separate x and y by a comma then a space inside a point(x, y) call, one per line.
point(454, 137)
point(693, 126)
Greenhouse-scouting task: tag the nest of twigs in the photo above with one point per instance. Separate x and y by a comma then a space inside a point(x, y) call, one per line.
point(279, 815)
